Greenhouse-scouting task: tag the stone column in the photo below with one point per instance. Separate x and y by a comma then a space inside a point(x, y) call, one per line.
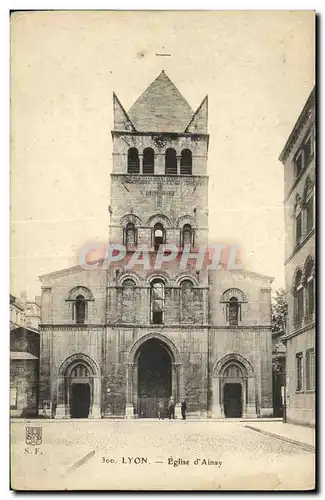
point(178, 165)
point(216, 403)
point(129, 413)
point(251, 406)
point(135, 386)
point(95, 408)
point(178, 387)
point(62, 409)
point(244, 397)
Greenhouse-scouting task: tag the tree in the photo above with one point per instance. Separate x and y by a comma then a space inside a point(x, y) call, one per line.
point(279, 311)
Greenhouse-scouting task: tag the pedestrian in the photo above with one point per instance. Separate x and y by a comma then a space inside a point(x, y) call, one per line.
point(160, 410)
point(183, 409)
point(171, 408)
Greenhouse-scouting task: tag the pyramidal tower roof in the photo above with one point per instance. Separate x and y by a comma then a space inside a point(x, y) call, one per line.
point(161, 108)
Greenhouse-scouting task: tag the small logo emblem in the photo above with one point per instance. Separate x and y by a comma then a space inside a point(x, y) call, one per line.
point(33, 435)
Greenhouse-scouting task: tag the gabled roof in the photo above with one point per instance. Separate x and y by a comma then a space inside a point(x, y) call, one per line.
point(161, 108)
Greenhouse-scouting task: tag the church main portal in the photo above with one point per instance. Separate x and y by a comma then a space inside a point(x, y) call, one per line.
point(154, 378)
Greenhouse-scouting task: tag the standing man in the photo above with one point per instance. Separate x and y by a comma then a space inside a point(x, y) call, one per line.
point(183, 409)
point(171, 408)
point(160, 410)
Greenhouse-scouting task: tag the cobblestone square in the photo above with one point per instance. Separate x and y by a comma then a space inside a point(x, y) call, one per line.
point(153, 454)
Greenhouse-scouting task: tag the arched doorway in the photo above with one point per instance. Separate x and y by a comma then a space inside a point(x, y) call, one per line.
point(166, 373)
point(78, 388)
point(233, 386)
point(154, 377)
point(233, 380)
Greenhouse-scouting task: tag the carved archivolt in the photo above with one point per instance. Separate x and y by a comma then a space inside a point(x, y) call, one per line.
point(186, 219)
point(154, 219)
point(80, 290)
point(132, 275)
point(168, 343)
point(185, 276)
point(230, 359)
point(130, 219)
point(82, 358)
point(158, 274)
point(233, 292)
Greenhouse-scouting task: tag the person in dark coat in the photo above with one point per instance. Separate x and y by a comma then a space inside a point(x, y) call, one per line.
point(171, 408)
point(183, 409)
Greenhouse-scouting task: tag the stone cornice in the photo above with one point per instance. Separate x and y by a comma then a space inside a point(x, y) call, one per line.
point(158, 134)
point(148, 326)
point(241, 327)
point(304, 116)
point(298, 247)
point(69, 270)
point(252, 274)
point(86, 327)
point(289, 336)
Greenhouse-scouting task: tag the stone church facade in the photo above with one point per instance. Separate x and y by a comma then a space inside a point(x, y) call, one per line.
point(116, 340)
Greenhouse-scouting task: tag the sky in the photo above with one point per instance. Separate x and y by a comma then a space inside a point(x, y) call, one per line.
point(257, 68)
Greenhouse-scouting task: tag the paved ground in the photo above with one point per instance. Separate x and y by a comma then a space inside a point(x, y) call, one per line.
point(296, 433)
point(171, 455)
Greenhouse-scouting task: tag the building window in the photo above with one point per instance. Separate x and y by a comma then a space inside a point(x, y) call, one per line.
point(298, 220)
point(299, 371)
point(310, 369)
point(310, 294)
point(186, 235)
point(130, 236)
point(186, 162)
point(309, 205)
point(148, 164)
point(158, 236)
point(233, 308)
point(299, 298)
point(304, 154)
point(80, 309)
point(157, 302)
point(299, 163)
point(308, 147)
point(129, 301)
point(170, 162)
point(133, 161)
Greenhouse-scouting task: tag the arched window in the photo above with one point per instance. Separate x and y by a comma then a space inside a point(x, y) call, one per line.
point(170, 162)
point(133, 161)
point(187, 235)
point(158, 236)
point(130, 236)
point(129, 301)
point(298, 220)
point(310, 298)
point(128, 287)
point(309, 205)
point(233, 311)
point(186, 162)
point(157, 301)
point(299, 297)
point(80, 309)
point(148, 165)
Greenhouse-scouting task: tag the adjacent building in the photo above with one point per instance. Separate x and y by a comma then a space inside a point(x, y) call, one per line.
point(117, 340)
point(298, 158)
point(25, 318)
